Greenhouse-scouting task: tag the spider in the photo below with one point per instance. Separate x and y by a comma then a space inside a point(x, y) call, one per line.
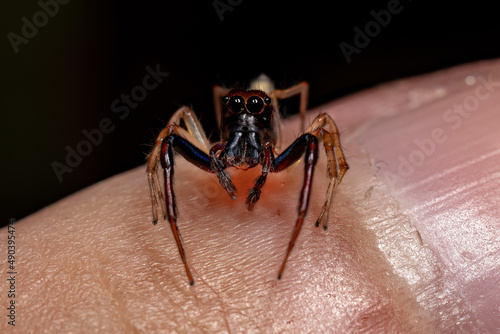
point(249, 124)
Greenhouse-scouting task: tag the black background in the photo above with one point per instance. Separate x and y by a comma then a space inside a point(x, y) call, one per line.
point(65, 78)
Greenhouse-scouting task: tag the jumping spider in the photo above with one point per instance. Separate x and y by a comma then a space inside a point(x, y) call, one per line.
point(249, 124)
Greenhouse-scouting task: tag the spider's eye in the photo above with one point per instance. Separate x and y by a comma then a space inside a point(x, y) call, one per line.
point(267, 100)
point(225, 99)
point(255, 104)
point(237, 104)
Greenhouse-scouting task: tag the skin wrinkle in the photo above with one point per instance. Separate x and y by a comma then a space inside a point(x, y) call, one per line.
point(368, 273)
point(298, 251)
point(467, 194)
point(385, 213)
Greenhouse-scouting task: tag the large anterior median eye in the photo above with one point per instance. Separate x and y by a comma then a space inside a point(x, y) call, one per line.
point(255, 104)
point(236, 104)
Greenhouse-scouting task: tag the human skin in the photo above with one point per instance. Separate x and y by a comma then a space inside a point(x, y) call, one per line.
point(412, 246)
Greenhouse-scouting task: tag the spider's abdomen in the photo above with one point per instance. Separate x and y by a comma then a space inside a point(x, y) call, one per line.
point(242, 150)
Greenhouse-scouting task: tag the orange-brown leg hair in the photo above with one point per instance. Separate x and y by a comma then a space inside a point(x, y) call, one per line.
point(326, 130)
point(301, 89)
point(194, 132)
point(323, 129)
point(162, 151)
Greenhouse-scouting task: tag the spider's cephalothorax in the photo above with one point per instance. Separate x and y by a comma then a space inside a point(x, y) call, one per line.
point(249, 125)
point(246, 127)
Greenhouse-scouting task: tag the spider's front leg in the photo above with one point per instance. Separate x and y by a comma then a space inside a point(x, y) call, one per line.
point(195, 156)
point(307, 143)
point(192, 144)
point(323, 128)
point(194, 132)
point(209, 163)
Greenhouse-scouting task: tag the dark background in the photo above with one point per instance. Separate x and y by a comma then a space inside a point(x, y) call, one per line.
point(65, 78)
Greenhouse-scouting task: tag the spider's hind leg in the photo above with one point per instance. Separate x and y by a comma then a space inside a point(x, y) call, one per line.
point(325, 129)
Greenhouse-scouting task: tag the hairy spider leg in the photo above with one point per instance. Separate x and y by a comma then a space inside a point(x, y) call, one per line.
point(195, 156)
point(194, 134)
point(301, 89)
point(254, 193)
point(325, 129)
point(307, 143)
point(218, 166)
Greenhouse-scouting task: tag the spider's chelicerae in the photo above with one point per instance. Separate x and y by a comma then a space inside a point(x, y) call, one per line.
point(249, 124)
